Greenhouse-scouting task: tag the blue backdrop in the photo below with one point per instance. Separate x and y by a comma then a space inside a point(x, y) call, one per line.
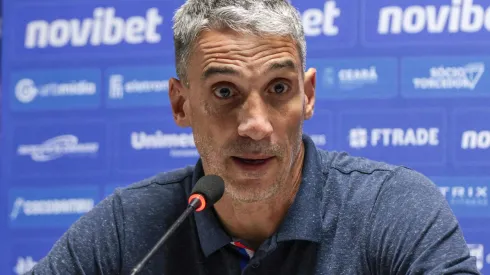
point(85, 106)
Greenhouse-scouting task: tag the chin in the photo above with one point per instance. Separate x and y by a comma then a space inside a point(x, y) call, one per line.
point(250, 196)
point(252, 189)
point(249, 179)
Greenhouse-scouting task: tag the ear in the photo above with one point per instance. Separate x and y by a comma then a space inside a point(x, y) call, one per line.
point(178, 99)
point(309, 88)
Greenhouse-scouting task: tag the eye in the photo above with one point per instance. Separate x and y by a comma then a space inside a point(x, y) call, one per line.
point(279, 88)
point(223, 92)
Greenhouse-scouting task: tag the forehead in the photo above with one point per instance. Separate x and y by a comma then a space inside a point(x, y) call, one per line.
point(245, 52)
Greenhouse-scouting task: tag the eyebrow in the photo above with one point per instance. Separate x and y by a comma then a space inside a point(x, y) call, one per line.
point(224, 70)
point(284, 64)
point(215, 70)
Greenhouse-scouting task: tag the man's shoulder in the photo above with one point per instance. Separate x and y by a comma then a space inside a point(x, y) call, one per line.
point(362, 188)
point(362, 178)
point(164, 191)
point(346, 163)
point(165, 179)
point(372, 205)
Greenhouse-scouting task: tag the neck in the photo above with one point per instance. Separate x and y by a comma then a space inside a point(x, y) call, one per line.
point(257, 221)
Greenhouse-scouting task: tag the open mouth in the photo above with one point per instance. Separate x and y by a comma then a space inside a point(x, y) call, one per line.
point(248, 161)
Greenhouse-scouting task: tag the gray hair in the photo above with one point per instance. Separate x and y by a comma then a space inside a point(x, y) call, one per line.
point(258, 17)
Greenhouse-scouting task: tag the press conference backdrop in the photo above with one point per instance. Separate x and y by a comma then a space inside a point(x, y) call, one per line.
point(85, 106)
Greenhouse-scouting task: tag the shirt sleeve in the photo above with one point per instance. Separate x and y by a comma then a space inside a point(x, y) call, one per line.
point(92, 245)
point(412, 230)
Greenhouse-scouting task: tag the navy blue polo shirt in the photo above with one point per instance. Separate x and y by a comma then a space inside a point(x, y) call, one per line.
point(350, 216)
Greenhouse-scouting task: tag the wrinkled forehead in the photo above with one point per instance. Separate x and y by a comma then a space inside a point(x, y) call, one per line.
point(239, 53)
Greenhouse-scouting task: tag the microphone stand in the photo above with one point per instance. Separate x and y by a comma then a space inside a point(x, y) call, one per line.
point(190, 208)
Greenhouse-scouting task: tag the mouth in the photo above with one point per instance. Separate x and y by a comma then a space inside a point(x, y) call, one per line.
point(252, 162)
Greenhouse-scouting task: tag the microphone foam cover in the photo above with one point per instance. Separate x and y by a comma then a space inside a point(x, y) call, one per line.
point(211, 187)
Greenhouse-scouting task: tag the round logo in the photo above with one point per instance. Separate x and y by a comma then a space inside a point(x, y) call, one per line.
point(25, 90)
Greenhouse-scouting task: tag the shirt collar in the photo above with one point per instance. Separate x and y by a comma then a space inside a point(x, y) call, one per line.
point(302, 222)
point(211, 234)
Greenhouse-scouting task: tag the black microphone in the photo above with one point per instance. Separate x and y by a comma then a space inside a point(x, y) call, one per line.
point(208, 190)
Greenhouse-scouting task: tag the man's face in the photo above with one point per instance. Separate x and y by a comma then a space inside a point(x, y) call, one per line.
point(246, 101)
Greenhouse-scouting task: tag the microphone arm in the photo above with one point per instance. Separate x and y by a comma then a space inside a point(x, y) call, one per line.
point(190, 208)
point(207, 191)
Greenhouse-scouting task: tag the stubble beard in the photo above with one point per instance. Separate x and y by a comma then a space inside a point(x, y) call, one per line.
point(243, 192)
point(250, 192)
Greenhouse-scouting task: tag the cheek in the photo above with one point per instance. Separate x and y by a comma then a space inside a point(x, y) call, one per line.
point(292, 117)
point(207, 130)
point(205, 144)
point(293, 128)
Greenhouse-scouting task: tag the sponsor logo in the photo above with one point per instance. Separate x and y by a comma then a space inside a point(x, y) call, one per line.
point(356, 78)
point(89, 30)
point(467, 197)
point(318, 22)
point(471, 140)
point(117, 87)
point(158, 140)
point(138, 86)
point(57, 147)
point(149, 146)
point(105, 27)
point(26, 90)
point(328, 24)
point(462, 16)
point(409, 137)
point(393, 137)
point(61, 149)
point(55, 89)
point(464, 77)
point(24, 265)
point(349, 79)
point(50, 207)
point(445, 77)
point(358, 138)
point(426, 22)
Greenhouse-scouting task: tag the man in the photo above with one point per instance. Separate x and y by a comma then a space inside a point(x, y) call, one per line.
point(289, 207)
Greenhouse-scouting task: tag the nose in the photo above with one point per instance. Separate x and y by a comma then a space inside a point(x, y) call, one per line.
point(254, 119)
